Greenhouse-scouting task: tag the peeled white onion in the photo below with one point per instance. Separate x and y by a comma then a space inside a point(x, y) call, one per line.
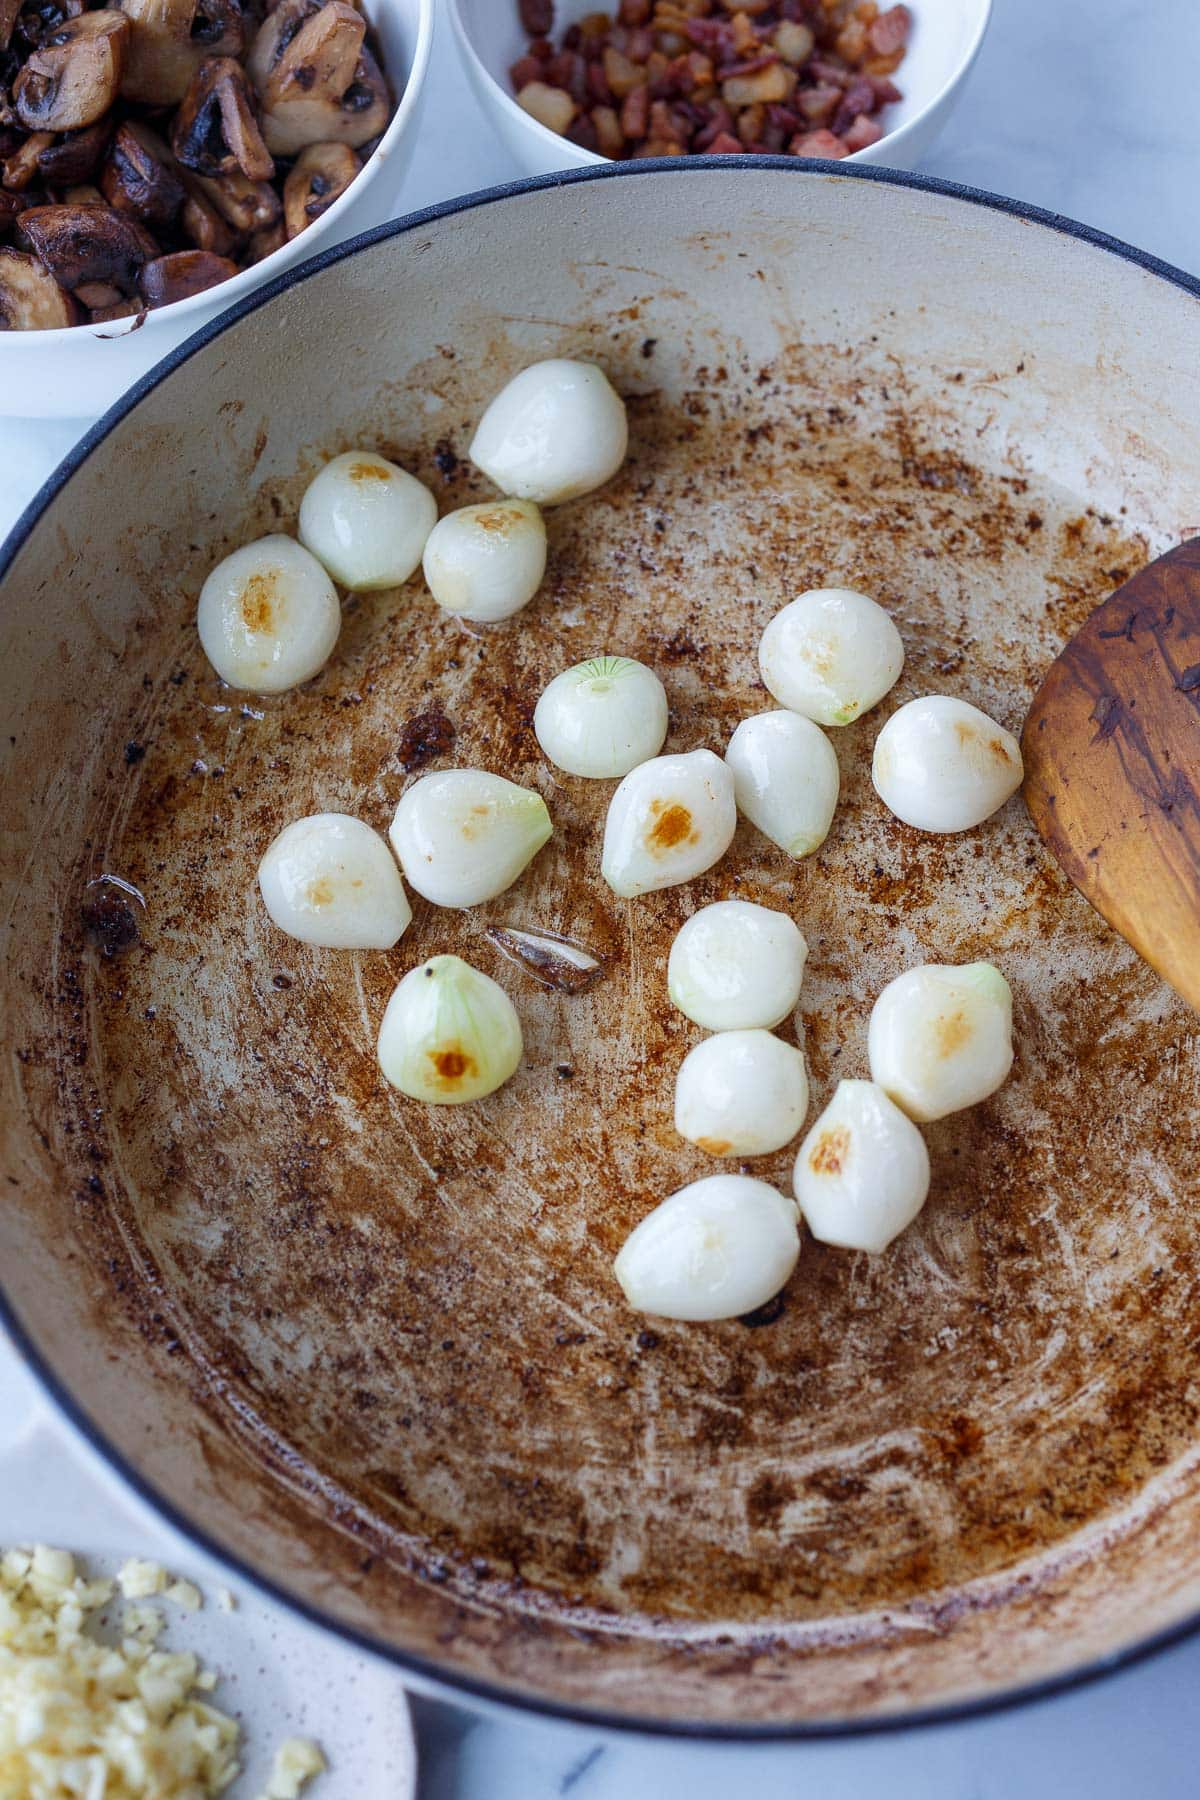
point(862, 1174)
point(486, 562)
point(714, 1250)
point(450, 1033)
point(367, 520)
point(734, 965)
point(831, 654)
point(329, 879)
point(556, 431)
point(670, 819)
point(785, 778)
point(941, 1037)
point(268, 616)
point(741, 1093)
point(942, 765)
point(463, 835)
point(603, 717)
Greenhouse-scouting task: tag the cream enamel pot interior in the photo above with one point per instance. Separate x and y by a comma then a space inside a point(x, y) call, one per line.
point(373, 1354)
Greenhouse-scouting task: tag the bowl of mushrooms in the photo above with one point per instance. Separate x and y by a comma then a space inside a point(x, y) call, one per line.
point(158, 158)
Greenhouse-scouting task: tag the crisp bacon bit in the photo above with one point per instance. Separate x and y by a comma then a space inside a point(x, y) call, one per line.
point(427, 735)
point(656, 81)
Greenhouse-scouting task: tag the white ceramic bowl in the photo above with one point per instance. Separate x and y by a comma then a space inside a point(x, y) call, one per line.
point(945, 42)
point(80, 372)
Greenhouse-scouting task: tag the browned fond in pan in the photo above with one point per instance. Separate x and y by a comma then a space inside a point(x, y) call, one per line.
point(377, 1348)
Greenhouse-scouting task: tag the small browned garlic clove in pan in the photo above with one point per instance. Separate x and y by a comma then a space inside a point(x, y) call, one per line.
point(80, 244)
point(215, 131)
point(74, 77)
point(321, 86)
point(266, 242)
point(322, 174)
point(19, 168)
point(182, 274)
point(245, 205)
point(168, 41)
point(139, 177)
point(30, 298)
point(74, 156)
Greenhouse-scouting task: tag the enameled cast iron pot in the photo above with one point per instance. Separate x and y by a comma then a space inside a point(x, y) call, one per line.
point(374, 1354)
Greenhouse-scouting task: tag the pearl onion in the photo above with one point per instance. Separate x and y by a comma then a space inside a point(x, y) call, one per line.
point(602, 718)
point(669, 820)
point(329, 879)
point(862, 1174)
point(942, 765)
point(366, 520)
point(556, 431)
point(463, 836)
point(268, 616)
point(734, 965)
point(715, 1249)
point(486, 562)
point(941, 1038)
point(786, 779)
point(450, 1033)
point(741, 1093)
point(831, 655)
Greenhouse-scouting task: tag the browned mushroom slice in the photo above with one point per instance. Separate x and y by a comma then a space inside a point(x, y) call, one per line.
point(73, 78)
point(37, 19)
point(10, 206)
point(97, 294)
point(323, 87)
point(215, 130)
point(30, 298)
point(182, 274)
point(274, 35)
point(72, 158)
point(8, 18)
point(266, 242)
point(200, 221)
point(169, 40)
point(84, 196)
point(139, 178)
point(86, 243)
point(122, 309)
point(246, 205)
point(19, 169)
point(322, 173)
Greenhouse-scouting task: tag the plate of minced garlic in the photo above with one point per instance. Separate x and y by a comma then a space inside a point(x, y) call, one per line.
point(95, 1704)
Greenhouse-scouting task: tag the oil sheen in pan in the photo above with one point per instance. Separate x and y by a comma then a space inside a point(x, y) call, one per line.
point(413, 1310)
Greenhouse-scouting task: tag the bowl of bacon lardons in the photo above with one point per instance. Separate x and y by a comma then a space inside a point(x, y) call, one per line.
point(812, 78)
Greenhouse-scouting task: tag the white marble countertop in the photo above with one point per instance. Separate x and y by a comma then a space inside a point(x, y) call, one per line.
point(1085, 107)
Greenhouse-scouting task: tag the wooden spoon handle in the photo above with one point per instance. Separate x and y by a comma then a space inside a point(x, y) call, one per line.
point(1112, 763)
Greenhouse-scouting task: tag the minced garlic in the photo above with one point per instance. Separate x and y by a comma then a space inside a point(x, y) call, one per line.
point(82, 1719)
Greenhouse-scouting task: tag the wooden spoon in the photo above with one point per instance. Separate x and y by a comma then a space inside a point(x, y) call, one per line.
point(1112, 763)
